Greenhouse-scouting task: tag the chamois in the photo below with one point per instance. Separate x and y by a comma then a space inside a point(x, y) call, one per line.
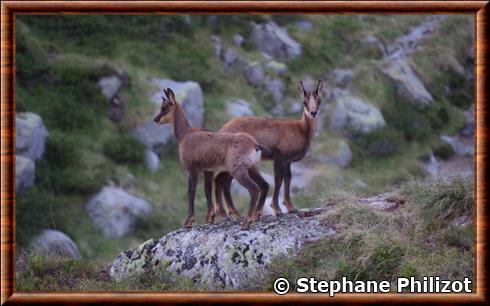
point(289, 141)
point(209, 152)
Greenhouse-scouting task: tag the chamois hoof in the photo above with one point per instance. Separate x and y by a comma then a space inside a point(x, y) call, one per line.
point(279, 215)
point(245, 226)
point(299, 213)
point(188, 223)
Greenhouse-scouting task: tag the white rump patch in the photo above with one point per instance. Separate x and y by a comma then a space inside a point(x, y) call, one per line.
point(255, 156)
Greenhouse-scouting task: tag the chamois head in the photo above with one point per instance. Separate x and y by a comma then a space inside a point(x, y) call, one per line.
point(167, 108)
point(311, 99)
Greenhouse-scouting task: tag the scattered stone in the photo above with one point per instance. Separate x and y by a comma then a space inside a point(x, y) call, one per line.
point(238, 40)
point(152, 161)
point(114, 211)
point(30, 135)
point(355, 115)
point(221, 256)
point(341, 157)
point(216, 42)
point(342, 77)
point(51, 242)
point(304, 25)
point(254, 74)
point(407, 82)
point(110, 86)
point(24, 172)
point(276, 88)
point(275, 41)
point(277, 67)
point(229, 57)
point(359, 184)
point(462, 146)
point(386, 201)
point(238, 108)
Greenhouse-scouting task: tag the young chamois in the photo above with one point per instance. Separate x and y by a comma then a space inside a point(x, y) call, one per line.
point(209, 152)
point(289, 141)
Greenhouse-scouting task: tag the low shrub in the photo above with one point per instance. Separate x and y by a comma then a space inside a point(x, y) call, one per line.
point(124, 149)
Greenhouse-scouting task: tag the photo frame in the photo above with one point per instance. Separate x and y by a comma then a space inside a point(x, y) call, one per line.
point(479, 9)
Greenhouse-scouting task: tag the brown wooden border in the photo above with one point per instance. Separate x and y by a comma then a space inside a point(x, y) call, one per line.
point(8, 10)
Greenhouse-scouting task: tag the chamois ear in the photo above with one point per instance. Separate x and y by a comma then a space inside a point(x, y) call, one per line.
point(319, 86)
point(171, 95)
point(301, 89)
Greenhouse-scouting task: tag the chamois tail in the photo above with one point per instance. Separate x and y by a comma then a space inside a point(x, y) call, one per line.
point(266, 151)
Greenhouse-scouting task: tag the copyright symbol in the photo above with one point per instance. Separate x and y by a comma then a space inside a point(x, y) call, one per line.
point(281, 286)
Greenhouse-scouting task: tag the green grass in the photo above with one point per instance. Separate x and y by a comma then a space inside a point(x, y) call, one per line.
point(417, 239)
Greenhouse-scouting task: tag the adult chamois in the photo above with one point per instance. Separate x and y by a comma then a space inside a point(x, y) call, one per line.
point(209, 152)
point(289, 141)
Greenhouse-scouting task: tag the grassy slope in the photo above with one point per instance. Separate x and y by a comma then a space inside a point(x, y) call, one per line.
point(60, 59)
point(417, 239)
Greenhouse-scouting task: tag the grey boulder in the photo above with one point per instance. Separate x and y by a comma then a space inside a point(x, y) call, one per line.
point(352, 114)
point(114, 211)
point(51, 242)
point(275, 41)
point(24, 172)
point(30, 135)
point(221, 256)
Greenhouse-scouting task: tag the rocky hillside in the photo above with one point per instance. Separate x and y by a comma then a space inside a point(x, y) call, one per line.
point(96, 176)
point(419, 229)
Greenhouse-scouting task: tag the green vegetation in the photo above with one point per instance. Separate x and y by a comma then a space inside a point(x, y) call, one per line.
point(420, 237)
point(60, 58)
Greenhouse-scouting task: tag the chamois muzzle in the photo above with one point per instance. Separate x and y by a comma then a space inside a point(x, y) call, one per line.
point(157, 118)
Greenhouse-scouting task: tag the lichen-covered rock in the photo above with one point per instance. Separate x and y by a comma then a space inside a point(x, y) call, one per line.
point(30, 135)
point(51, 242)
point(221, 256)
point(24, 172)
point(114, 211)
point(188, 94)
point(342, 77)
point(355, 115)
point(407, 82)
point(275, 41)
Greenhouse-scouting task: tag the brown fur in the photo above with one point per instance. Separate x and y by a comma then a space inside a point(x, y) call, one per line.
point(289, 141)
point(209, 152)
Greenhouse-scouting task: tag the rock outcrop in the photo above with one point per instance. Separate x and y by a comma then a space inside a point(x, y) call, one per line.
point(51, 242)
point(30, 139)
point(114, 211)
point(30, 135)
point(238, 108)
point(355, 115)
point(24, 172)
point(407, 82)
point(221, 256)
point(275, 41)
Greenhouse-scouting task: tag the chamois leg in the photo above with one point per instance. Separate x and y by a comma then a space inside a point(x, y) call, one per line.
point(191, 194)
point(246, 181)
point(218, 182)
point(227, 179)
point(208, 190)
point(264, 188)
point(278, 178)
point(287, 184)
